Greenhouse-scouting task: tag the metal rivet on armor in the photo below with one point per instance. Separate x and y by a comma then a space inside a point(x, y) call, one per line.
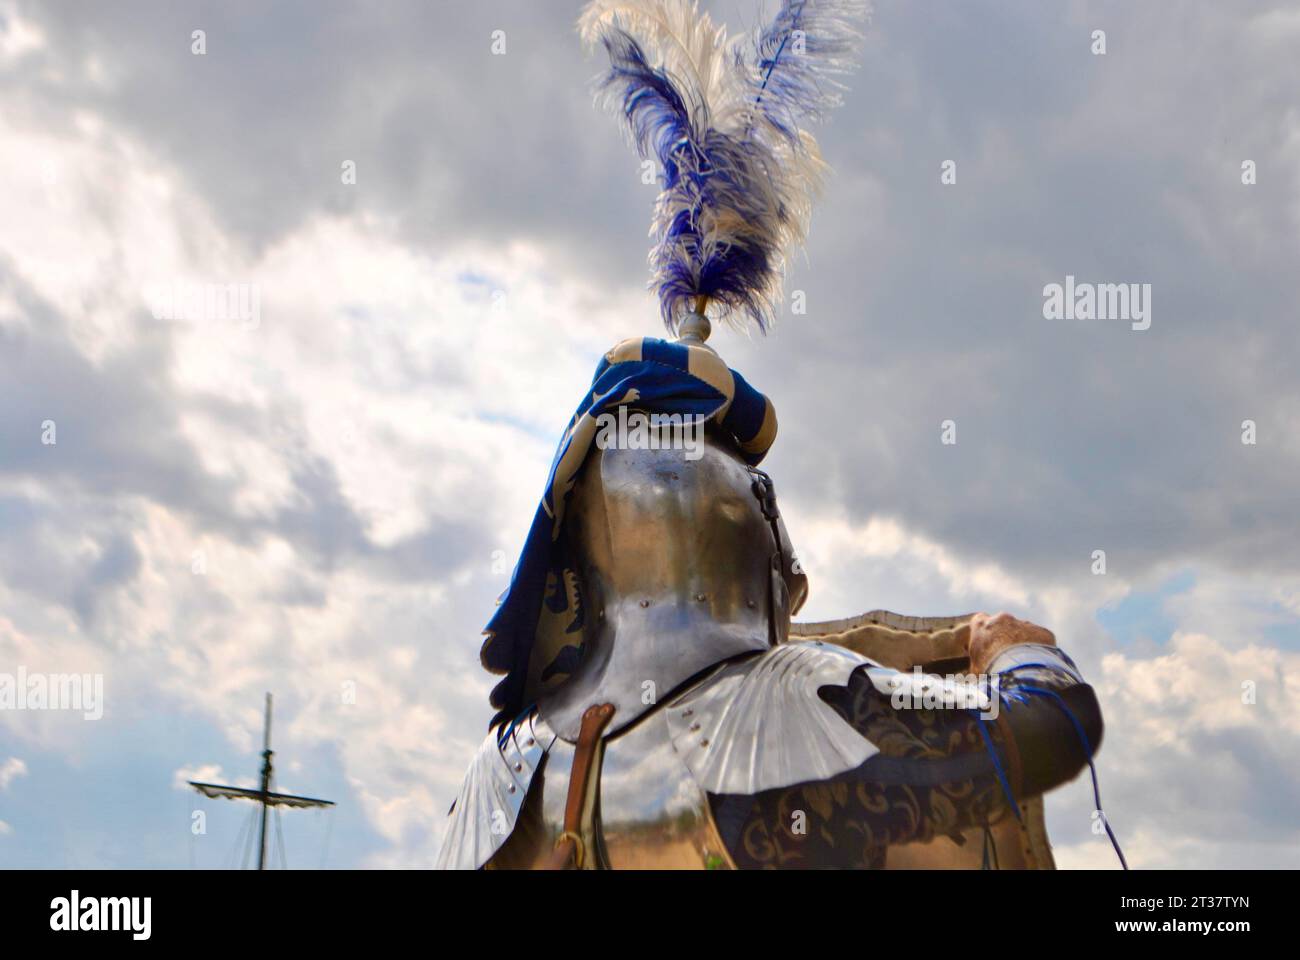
point(531, 741)
point(687, 713)
point(704, 743)
point(511, 788)
point(518, 767)
point(701, 597)
point(601, 615)
point(695, 727)
point(751, 604)
point(645, 603)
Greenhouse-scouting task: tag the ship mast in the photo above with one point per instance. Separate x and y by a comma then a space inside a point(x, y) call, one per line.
point(265, 796)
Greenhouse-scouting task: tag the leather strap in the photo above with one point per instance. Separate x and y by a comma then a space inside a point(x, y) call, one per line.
point(764, 491)
point(569, 850)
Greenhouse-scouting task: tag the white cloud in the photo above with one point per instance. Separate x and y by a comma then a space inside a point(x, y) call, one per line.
point(204, 773)
point(11, 770)
point(19, 36)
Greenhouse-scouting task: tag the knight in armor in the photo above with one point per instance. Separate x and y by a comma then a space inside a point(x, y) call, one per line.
point(657, 708)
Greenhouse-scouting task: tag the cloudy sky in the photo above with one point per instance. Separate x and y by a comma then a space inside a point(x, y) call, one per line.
point(324, 500)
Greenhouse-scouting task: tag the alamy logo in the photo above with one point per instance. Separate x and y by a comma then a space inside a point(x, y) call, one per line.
point(919, 690)
point(102, 914)
point(206, 302)
point(1098, 301)
point(53, 691)
point(651, 431)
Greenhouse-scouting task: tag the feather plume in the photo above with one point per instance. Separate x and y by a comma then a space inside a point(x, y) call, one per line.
point(800, 57)
point(725, 121)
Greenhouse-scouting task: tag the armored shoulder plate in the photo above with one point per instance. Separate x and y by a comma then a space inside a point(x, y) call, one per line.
point(758, 724)
point(485, 812)
point(753, 724)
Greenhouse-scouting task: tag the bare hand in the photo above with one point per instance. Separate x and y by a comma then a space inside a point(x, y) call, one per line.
point(990, 634)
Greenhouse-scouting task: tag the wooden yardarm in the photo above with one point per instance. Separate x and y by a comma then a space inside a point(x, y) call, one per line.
point(265, 796)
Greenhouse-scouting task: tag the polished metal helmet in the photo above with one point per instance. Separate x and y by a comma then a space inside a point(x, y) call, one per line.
point(684, 562)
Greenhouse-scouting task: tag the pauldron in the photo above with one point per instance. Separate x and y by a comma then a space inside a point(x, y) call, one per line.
point(750, 725)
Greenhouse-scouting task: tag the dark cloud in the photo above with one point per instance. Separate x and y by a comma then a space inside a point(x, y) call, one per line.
point(925, 300)
point(450, 141)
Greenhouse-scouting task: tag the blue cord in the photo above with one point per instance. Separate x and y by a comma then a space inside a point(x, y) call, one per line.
point(997, 765)
point(1083, 738)
point(510, 728)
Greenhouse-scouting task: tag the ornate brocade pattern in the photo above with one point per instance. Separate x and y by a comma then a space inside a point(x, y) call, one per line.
point(850, 820)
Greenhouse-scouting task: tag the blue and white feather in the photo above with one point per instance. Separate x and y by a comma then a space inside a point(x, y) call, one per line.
point(725, 118)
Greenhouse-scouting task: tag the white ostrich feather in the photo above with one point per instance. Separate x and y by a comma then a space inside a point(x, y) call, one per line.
point(723, 115)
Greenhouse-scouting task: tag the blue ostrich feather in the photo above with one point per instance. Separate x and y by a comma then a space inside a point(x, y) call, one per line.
point(737, 172)
point(800, 56)
point(654, 105)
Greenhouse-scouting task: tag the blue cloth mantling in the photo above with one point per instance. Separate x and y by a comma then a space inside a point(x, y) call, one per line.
point(544, 598)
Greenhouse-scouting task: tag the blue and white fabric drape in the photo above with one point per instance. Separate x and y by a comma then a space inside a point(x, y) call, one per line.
point(541, 613)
